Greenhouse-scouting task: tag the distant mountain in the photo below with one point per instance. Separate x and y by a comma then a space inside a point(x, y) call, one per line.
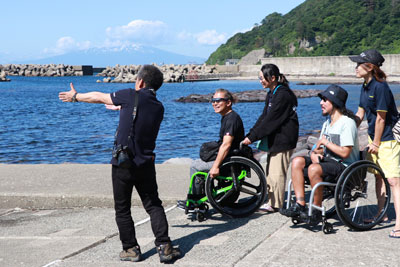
point(102, 57)
point(321, 28)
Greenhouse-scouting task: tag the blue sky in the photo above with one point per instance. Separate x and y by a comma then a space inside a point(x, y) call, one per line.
point(37, 29)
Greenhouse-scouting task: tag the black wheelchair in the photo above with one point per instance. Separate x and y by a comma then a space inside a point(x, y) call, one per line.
point(238, 191)
point(353, 198)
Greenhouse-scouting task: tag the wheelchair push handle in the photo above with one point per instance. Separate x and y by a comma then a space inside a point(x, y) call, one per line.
point(241, 145)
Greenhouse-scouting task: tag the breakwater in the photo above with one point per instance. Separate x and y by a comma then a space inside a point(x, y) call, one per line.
point(118, 73)
point(172, 73)
point(47, 70)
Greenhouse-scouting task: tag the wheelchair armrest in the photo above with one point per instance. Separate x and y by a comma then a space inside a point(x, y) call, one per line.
point(244, 151)
point(236, 152)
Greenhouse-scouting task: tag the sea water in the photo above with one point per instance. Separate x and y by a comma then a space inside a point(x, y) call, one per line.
point(36, 127)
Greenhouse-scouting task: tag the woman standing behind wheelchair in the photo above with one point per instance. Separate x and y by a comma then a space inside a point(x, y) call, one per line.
point(377, 103)
point(278, 129)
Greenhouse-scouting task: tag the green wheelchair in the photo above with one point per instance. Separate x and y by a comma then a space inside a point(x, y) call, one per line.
point(238, 191)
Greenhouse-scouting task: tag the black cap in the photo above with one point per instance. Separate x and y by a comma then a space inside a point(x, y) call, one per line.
point(336, 95)
point(369, 56)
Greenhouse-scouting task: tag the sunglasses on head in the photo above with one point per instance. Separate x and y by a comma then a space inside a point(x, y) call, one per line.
point(219, 99)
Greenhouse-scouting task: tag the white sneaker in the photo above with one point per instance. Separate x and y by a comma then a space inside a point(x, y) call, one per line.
point(266, 208)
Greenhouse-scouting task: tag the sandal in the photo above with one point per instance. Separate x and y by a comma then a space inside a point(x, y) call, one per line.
point(393, 234)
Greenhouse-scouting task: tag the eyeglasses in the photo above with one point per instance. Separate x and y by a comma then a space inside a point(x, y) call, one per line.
point(260, 78)
point(217, 100)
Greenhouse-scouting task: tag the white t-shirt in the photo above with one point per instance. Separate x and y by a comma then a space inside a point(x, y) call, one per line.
point(342, 133)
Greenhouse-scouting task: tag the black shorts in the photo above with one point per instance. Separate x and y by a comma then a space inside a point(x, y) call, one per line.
point(331, 169)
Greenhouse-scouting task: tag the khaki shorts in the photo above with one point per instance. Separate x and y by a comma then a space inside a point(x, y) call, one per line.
point(388, 158)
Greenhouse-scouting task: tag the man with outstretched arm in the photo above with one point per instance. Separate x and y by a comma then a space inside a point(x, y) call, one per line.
point(139, 122)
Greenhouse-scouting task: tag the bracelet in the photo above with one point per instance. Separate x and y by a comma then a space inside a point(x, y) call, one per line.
point(374, 145)
point(74, 98)
point(327, 144)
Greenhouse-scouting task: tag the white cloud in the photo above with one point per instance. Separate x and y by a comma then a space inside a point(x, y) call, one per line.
point(208, 37)
point(142, 31)
point(66, 44)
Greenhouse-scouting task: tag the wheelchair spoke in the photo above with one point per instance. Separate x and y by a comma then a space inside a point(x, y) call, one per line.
point(244, 190)
point(248, 190)
point(225, 196)
point(234, 177)
point(251, 185)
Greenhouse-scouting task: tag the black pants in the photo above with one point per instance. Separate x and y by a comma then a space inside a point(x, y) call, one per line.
point(331, 169)
point(144, 179)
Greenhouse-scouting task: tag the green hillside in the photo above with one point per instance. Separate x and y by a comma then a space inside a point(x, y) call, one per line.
point(321, 28)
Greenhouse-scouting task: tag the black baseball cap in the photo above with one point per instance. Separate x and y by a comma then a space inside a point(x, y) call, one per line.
point(369, 56)
point(335, 94)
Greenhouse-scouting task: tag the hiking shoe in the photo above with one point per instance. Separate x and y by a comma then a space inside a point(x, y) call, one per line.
point(168, 253)
point(131, 254)
point(293, 211)
point(181, 204)
point(316, 217)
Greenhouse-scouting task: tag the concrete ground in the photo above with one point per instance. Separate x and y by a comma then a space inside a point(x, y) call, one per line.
point(61, 215)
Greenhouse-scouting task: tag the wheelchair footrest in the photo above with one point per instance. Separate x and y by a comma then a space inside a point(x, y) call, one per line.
point(195, 197)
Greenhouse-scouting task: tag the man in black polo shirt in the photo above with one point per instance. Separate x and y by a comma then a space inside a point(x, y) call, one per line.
point(140, 138)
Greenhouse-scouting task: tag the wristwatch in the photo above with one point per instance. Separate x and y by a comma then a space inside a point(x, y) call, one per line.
point(74, 97)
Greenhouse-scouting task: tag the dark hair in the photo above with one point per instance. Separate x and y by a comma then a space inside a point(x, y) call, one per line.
point(228, 94)
point(270, 70)
point(346, 112)
point(151, 75)
point(376, 71)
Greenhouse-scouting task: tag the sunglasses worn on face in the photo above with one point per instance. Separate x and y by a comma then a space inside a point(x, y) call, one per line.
point(217, 100)
point(260, 78)
point(324, 98)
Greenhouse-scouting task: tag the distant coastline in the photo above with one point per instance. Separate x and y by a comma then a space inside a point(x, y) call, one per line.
point(308, 70)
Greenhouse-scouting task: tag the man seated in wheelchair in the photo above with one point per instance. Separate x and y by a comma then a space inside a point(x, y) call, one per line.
point(212, 154)
point(336, 148)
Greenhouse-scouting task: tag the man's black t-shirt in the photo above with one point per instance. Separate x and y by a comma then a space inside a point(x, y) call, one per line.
point(231, 124)
point(150, 113)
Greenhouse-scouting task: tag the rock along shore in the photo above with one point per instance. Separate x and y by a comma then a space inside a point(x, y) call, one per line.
point(245, 96)
point(3, 77)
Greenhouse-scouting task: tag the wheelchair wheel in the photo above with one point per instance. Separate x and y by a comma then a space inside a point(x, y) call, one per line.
point(239, 190)
point(356, 198)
